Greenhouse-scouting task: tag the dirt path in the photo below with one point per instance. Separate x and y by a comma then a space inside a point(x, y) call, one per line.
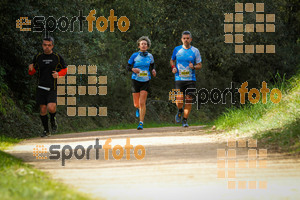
point(179, 164)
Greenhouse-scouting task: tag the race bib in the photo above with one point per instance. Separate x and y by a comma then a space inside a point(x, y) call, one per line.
point(143, 73)
point(184, 73)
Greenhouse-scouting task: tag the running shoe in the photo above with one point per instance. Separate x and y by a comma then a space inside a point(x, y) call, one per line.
point(45, 134)
point(54, 126)
point(178, 117)
point(140, 126)
point(184, 123)
point(137, 112)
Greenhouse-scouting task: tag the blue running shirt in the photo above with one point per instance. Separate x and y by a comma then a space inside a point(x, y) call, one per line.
point(183, 58)
point(138, 60)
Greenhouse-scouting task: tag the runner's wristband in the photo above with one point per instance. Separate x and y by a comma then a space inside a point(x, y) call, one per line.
point(173, 66)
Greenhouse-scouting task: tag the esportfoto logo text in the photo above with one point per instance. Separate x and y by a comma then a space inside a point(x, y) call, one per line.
point(40, 23)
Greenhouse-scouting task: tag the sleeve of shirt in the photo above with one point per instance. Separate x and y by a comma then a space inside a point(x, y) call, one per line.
point(129, 67)
point(31, 72)
point(131, 59)
point(62, 62)
point(198, 58)
point(63, 71)
point(174, 54)
point(34, 60)
point(152, 59)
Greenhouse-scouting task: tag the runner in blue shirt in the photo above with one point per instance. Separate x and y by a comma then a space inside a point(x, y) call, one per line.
point(140, 63)
point(185, 60)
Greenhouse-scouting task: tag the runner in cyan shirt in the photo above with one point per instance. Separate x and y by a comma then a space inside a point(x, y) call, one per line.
point(141, 63)
point(185, 60)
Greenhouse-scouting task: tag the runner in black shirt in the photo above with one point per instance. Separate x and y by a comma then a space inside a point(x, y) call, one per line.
point(50, 66)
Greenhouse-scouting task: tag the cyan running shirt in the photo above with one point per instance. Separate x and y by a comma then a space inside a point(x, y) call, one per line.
point(142, 61)
point(183, 58)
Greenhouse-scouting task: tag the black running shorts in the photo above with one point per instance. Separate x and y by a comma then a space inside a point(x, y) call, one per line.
point(138, 86)
point(43, 97)
point(183, 85)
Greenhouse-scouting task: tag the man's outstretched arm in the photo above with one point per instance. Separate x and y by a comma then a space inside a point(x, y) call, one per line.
point(173, 65)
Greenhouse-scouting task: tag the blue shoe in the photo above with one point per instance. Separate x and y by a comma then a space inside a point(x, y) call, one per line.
point(184, 123)
point(140, 126)
point(178, 117)
point(137, 112)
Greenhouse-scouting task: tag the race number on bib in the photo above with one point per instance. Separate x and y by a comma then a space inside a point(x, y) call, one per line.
point(143, 73)
point(184, 73)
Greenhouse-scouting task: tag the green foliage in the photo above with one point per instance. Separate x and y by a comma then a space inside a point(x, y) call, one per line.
point(21, 181)
point(277, 125)
point(235, 117)
point(6, 142)
point(286, 138)
point(163, 21)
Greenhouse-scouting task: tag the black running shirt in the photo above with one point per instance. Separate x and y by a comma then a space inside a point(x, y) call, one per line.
point(45, 64)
